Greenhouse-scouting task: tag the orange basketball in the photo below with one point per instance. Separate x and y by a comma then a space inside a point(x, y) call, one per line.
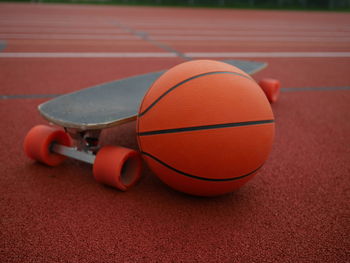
point(205, 128)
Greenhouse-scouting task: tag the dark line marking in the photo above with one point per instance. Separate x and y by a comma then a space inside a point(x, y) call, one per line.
point(313, 89)
point(2, 45)
point(145, 36)
point(205, 127)
point(168, 48)
point(29, 96)
point(187, 80)
point(198, 177)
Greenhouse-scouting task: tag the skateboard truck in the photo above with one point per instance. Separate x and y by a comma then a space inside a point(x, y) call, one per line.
point(112, 165)
point(74, 153)
point(87, 141)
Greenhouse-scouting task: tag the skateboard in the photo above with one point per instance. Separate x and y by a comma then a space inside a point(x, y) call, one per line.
point(85, 113)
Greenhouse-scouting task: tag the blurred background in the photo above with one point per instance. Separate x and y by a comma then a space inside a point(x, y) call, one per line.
point(340, 5)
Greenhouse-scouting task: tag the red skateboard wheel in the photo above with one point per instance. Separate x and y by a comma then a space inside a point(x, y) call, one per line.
point(271, 88)
point(118, 167)
point(39, 140)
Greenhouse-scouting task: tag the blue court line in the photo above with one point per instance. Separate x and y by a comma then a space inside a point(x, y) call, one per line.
point(2, 45)
point(313, 89)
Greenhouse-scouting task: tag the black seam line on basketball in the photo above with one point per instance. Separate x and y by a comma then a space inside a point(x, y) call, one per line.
point(187, 80)
point(205, 127)
point(198, 177)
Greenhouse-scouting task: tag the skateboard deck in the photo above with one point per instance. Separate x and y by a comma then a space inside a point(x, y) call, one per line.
point(112, 103)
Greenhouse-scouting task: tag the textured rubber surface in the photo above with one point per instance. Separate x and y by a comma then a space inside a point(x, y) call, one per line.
point(39, 140)
point(295, 210)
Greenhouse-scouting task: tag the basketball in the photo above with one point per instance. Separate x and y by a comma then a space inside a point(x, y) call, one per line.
point(205, 128)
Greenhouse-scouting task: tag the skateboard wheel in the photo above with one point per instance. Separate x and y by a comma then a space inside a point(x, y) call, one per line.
point(40, 139)
point(118, 167)
point(271, 87)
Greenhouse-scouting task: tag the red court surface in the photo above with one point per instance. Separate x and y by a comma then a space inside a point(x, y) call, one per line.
point(295, 210)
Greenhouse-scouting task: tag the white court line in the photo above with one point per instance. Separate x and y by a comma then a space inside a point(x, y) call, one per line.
point(267, 54)
point(67, 37)
point(172, 55)
point(87, 24)
point(233, 32)
point(162, 33)
point(162, 25)
point(87, 55)
point(253, 38)
point(174, 38)
point(240, 25)
point(57, 30)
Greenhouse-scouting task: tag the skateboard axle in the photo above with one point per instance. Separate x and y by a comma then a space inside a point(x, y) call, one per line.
point(72, 152)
